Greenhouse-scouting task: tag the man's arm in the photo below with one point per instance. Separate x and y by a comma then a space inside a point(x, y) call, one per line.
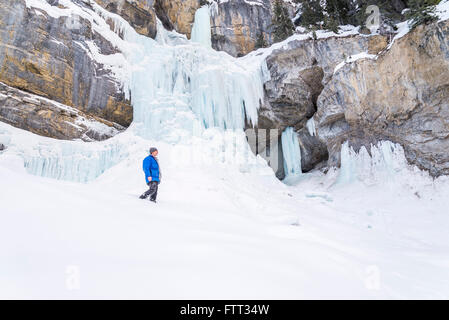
point(146, 169)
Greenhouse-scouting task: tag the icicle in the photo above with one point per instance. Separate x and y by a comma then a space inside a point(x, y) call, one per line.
point(384, 163)
point(201, 31)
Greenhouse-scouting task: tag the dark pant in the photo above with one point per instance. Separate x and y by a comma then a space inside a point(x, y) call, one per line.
point(152, 192)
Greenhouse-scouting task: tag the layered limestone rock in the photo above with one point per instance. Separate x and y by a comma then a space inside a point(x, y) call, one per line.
point(403, 96)
point(139, 13)
point(51, 119)
point(235, 24)
point(176, 14)
point(299, 71)
point(48, 55)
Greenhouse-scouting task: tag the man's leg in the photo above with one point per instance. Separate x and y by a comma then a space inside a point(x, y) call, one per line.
point(149, 192)
point(154, 195)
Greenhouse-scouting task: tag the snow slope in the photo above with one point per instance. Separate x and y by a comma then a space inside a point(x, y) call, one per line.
point(221, 232)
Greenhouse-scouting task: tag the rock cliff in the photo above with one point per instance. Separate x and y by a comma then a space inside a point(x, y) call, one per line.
point(402, 96)
point(300, 70)
point(398, 93)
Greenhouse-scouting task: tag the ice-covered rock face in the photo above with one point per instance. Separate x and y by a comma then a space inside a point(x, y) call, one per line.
point(180, 88)
point(177, 15)
point(301, 68)
point(235, 25)
point(292, 153)
point(182, 92)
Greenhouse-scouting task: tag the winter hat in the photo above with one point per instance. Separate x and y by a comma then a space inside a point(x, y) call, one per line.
point(152, 150)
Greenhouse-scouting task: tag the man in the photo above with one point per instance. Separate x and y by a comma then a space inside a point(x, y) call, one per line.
point(152, 175)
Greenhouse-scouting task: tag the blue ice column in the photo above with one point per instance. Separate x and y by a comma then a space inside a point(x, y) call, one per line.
point(291, 152)
point(201, 31)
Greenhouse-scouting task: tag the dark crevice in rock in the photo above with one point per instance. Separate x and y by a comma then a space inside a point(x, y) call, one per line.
point(313, 77)
point(313, 152)
point(162, 15)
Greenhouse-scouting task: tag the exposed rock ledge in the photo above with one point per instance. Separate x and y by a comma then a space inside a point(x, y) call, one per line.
point(139, 13)
point(50, 56)
point(51, 119)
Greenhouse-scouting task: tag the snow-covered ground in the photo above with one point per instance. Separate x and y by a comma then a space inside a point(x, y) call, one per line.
point(222, 232)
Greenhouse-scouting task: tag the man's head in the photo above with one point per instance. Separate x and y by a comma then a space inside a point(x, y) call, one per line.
point(154, 152)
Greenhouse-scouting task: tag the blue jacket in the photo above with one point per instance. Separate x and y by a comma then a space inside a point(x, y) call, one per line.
point(151, 169)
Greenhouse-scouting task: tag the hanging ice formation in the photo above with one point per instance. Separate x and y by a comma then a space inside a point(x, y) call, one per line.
point(383, 164)
point(311, 127)
point(291, 152)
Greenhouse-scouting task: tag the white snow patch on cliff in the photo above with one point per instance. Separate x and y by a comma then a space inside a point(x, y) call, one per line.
point(353, 58)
